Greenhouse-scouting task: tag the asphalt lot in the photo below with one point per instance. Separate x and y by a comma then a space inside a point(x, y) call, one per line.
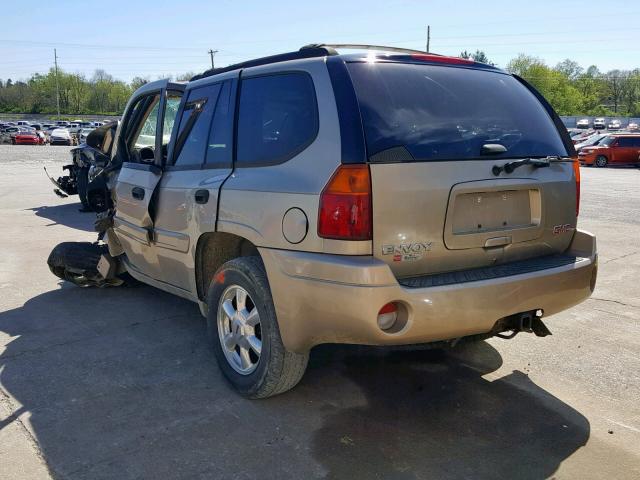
point(120, 383)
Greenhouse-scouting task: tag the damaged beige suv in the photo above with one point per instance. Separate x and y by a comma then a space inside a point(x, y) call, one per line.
point(390, 197)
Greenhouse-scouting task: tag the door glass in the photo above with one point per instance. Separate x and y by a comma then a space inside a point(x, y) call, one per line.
point(170, 115)
point(194, 125)
point(221, 136)
point(145, 135)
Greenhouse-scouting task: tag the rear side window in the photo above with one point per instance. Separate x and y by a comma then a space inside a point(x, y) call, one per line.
point(278, 118)
point(629, 142)
point(194, 125)
point(432, 112)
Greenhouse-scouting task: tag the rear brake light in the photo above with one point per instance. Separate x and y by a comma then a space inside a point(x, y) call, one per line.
point(576, 174)
point(345, 205)
point(426, 57)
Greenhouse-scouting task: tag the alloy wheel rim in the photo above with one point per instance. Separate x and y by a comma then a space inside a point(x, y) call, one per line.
point(239, 330)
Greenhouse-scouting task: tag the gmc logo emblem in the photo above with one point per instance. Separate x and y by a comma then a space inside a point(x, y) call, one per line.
point(558, 229)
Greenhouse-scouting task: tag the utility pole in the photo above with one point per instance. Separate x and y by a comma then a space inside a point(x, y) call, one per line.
point(212, 53)
point(55, 60)
point(428, 36)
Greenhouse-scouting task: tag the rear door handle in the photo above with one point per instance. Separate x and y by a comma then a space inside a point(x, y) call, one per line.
point(137, 193)
point(202, 196)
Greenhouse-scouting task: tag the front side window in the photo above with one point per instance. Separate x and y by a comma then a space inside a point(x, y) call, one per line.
point(278, 118)
point(449, 113)
point(195, 123)
point(147, 112)
point(170, 114)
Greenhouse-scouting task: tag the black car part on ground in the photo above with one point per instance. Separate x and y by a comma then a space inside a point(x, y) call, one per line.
point(79, 263)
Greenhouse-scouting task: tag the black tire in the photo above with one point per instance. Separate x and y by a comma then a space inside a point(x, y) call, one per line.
point(601, 161)
point(277, 370)
point(75, 261)
point(82, 180)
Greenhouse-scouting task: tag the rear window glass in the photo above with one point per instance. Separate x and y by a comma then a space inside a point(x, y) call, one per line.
point(278, 118)
point(448, 113)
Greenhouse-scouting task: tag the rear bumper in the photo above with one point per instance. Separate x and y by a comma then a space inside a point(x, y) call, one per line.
point(586, 160)
point(322, 298)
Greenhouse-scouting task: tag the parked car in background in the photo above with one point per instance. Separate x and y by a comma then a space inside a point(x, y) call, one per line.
point(599, 123)
point(26, 137)
point(37, 126)
point(583, 123)
point(82, 136)
point(62, 123)
point(60, 136)
point(614, 125)
point(22, 123)
point(7, 132)
point(590, 141)
point(618, 149)
point(632, 127)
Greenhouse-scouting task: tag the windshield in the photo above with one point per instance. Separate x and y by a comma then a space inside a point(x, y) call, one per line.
point(448, 113)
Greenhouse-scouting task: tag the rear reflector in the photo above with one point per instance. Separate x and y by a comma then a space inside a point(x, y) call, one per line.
point(576, 174)
point(345, 205)
point(441, 59)
point(387, 316)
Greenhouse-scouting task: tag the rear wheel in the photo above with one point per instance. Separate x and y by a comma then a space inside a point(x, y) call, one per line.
point(601, 161)
point(243, 330)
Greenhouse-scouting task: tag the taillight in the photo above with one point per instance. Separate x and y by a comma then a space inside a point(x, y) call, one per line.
point(345, 205)
point(576, 174)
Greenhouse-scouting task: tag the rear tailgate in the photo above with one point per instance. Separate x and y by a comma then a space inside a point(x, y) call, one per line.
point(437, 205)
point(447, 216)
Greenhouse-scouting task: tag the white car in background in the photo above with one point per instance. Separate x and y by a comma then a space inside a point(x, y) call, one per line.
point(614, 125)
point(83, 134)
point(632, 127)
point(599, 123)
point(60, 136)
point(583, 123)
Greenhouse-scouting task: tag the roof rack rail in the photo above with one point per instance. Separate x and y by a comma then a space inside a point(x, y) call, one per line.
point(355, 46)
point(309, 51)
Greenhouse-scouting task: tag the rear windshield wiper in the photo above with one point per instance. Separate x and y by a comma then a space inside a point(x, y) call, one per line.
point(509, 167)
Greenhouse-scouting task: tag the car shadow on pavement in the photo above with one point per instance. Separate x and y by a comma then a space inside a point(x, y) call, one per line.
point(121, 383)
point(66, 214)
point(431, 414)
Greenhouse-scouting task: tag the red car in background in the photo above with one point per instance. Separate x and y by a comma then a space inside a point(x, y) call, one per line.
point(26, 138)
point(618, 149)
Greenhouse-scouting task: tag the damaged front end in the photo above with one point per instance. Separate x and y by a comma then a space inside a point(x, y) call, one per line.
point(92, 264)
point(85, 177)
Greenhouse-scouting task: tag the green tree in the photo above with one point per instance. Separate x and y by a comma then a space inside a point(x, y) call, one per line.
point(477, 56)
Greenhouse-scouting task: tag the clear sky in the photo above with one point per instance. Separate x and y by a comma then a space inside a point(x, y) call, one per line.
point(153, 38)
